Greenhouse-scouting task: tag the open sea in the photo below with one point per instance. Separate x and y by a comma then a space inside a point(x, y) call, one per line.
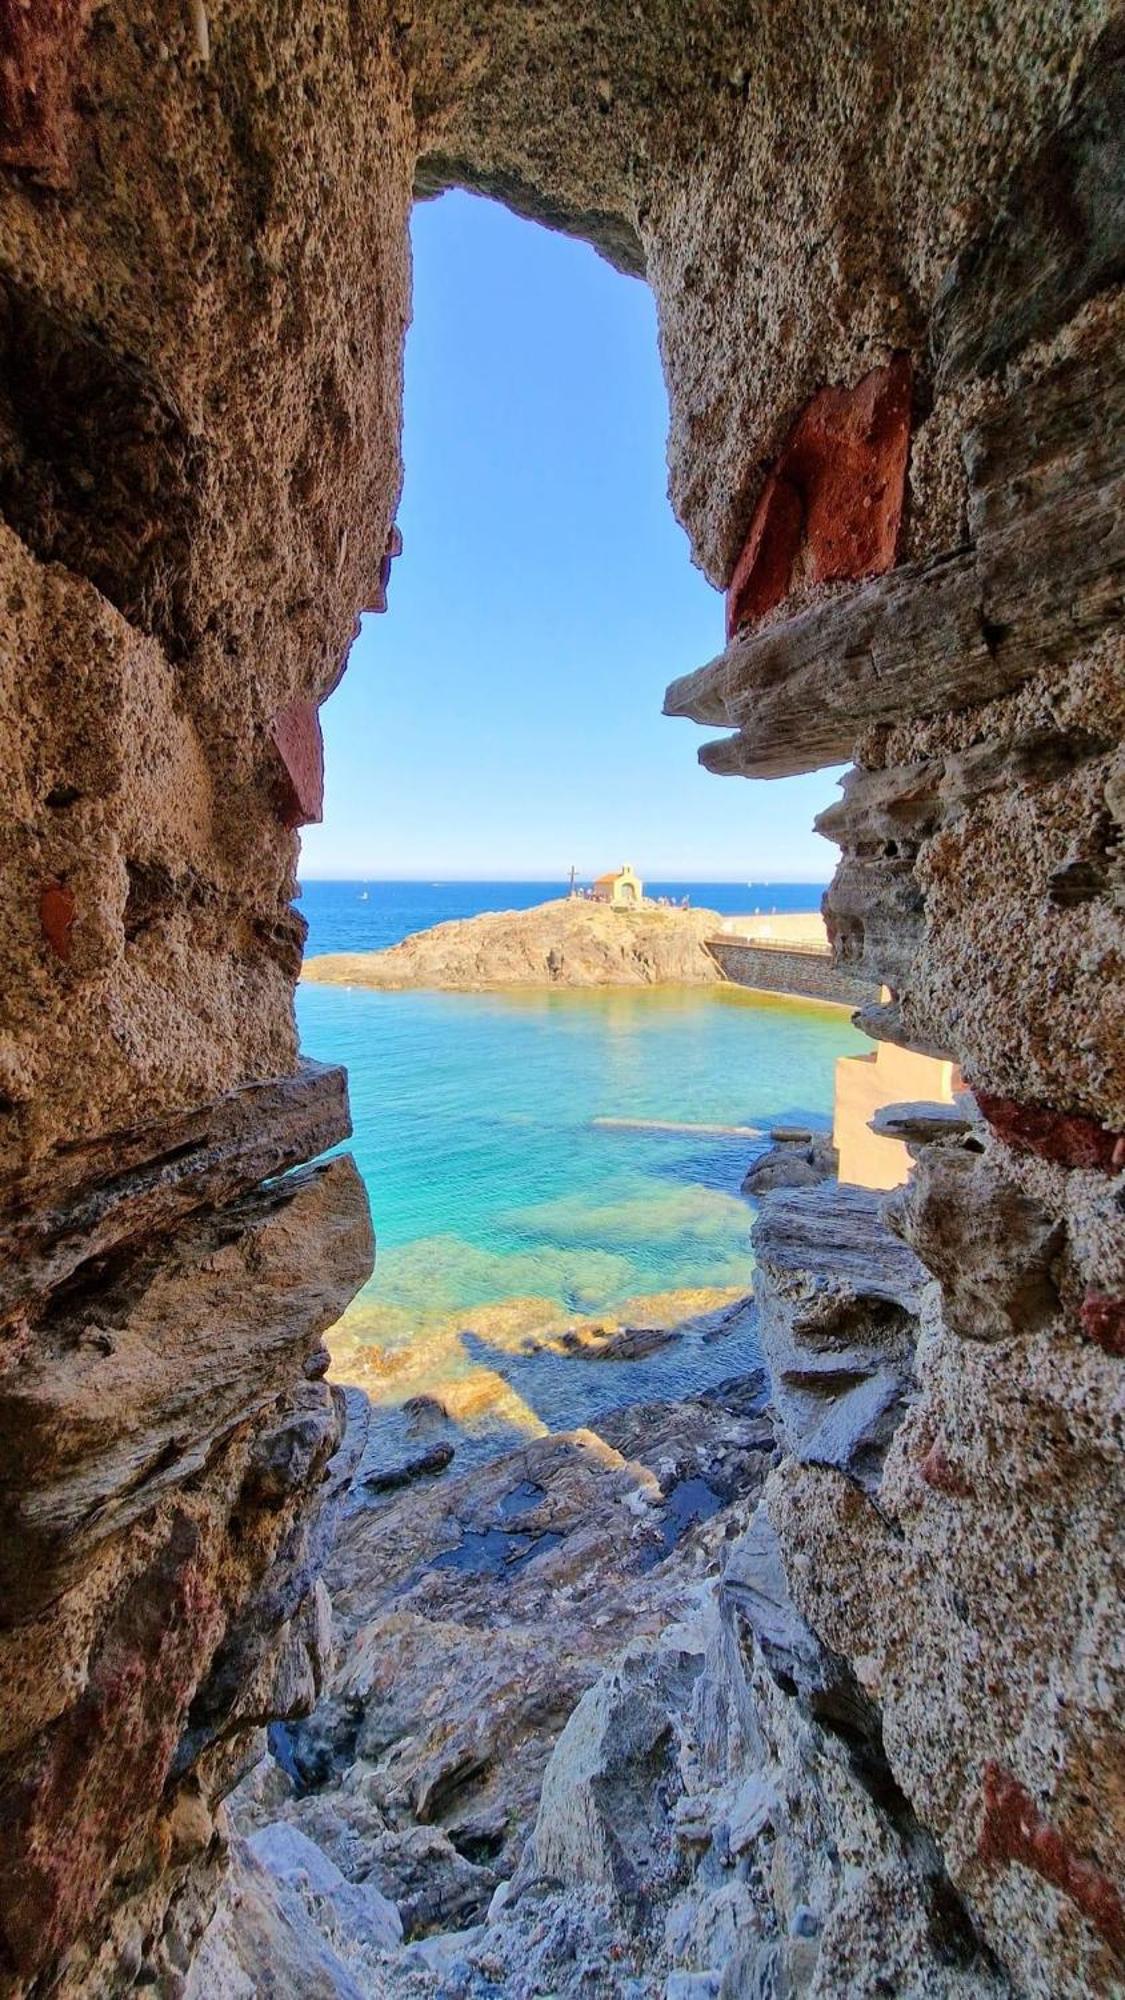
point(533, 1158)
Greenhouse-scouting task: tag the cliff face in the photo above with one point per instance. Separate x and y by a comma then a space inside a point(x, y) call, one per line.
point(562, 943)
point(886, 258)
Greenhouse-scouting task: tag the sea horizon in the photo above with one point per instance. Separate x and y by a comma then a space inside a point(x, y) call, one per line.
point(354, 913)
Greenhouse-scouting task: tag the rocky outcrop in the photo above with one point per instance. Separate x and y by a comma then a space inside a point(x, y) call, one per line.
point(838, 1302)
point(794, 1158)
point(166, 1506)
point(471, 1616)
point(569, 942)
point(550, 1552)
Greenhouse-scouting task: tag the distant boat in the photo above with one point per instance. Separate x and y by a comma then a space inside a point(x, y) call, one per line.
point(363, 896)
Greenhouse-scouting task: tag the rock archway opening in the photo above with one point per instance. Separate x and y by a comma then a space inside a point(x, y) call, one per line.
point(569, 1140)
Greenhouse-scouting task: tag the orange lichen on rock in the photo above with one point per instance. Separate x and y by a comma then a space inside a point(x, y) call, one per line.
point(832, 506)
point(1014, 1829)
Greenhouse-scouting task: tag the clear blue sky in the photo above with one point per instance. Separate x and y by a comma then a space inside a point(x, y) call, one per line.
point(503, 718)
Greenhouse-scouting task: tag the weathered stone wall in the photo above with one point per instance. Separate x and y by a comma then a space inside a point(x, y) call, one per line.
point(883, 254)
point(770, 969)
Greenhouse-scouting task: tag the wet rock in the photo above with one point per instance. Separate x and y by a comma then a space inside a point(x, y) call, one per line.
point(632, 1343)
point(425, 1466)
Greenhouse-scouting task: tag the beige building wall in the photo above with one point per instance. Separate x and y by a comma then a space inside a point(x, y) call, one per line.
point(863, 1085)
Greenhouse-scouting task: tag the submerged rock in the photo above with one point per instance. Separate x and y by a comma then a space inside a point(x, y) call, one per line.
point(424, 1466)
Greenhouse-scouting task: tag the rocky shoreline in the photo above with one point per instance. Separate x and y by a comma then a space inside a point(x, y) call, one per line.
point(394, 1830)
point(575, 1736)
point(567, 942)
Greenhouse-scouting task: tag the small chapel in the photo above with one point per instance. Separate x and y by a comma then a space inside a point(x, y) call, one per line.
point(623, 888)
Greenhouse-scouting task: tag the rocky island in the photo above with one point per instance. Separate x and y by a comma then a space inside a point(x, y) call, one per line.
point(567, 942)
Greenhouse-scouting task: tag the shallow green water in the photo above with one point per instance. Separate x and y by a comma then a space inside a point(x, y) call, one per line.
point(489, 1176)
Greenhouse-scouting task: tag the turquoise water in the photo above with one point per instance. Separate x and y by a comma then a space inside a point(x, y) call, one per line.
point(490, 1177)
point(526, 1175)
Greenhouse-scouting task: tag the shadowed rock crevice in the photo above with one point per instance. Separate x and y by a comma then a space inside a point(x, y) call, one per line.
point(97, 468)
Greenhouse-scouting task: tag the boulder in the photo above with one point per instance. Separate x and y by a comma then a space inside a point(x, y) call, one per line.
point(605, 1810)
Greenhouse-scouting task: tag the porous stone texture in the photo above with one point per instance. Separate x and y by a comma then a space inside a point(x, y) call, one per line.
point(167, 1503)
point(203, 294)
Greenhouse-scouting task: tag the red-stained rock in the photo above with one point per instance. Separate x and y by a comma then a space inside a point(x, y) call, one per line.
point(1014, 1829)
point(57, 911)
point(832, 506)
point(761, 578)
point(1103, 1321)
point(91, 1778)
point(936, 1470)
point(39, 43)
point(300, 747)
point(1062, 1136)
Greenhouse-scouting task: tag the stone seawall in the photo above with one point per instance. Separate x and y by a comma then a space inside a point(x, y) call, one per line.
point(809, 974)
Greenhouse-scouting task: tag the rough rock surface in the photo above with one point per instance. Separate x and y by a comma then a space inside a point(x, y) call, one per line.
point(794, 1158)
point(471, 1617)
point(838, 1299)
point(568, 942)
point(204, 286)
point(551, 1552)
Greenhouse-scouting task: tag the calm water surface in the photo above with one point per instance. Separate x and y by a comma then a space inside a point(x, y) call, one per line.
point(508, 1200)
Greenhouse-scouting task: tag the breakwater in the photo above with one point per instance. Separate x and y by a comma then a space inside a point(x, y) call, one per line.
point(777, 968)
